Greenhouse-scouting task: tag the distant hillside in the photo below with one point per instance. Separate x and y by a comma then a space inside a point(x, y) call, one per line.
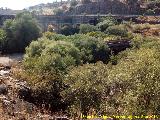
point(151, 7)
point(9, 11)
point(70, 7)
point(47, 9)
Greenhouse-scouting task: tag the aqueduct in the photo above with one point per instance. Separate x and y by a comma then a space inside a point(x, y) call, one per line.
point(59, 21)
point(75, 20)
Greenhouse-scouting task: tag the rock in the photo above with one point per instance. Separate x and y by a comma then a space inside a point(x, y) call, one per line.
point(7, 67)
point(61, 118)
point(25, 93)
point(3, 97)
point(4, 72)
point(3, 89)
point(1, 68)
point(6, 102)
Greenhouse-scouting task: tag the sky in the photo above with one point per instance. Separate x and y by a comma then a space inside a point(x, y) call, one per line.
point(20, 4)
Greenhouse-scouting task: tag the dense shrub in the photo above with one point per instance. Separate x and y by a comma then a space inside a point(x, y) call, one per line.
point(91, 49)
point(2, 39)
point(59, 55)
point(20, 32)
point(55, 37)
point(131, 87)
point(63, 71)
point(45, 64)
point(97, 34)
point(68, 30)
point(86, 86)
point(137, 76)
point(47, 61)
point(106, 22)
point(138, 28)
point(118, 30)
point(85, 28)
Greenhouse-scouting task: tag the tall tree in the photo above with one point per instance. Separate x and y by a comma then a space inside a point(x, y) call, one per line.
point(20, 32)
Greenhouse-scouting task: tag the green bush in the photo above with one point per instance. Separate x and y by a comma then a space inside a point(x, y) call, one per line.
point(106, 22)
point(2, 39)
point(62, 54)
point(20, 32)
point(97, 34)
point(91, 49)
point(130, 87)
point(64, 70)
point(138, 28)
point(137, 76)
point(85, 28)
point(45, 64)
point(86, 86)
point(55, 37)
point(118, 30)
point(68, 30)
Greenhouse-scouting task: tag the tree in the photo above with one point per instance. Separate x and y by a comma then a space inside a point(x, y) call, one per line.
point(20, 32)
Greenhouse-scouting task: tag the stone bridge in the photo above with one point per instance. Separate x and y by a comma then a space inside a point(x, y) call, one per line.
point(74, 20)
point(58, 21)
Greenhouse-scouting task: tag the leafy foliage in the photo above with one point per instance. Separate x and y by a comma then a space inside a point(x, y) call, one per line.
point(45, 64)
point(2, 39)
point(85, 28)
point(20, 32)
point(137, 76)
point(106, 22)
point(68, 30)
point(78, 71)
point(92, 49)
point(47, 61)
point(131, 87)
point(97, 34)
point(118, 30)
point(86, 86)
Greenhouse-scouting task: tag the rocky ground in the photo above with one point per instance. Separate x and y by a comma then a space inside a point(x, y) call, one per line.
point(11, 106)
